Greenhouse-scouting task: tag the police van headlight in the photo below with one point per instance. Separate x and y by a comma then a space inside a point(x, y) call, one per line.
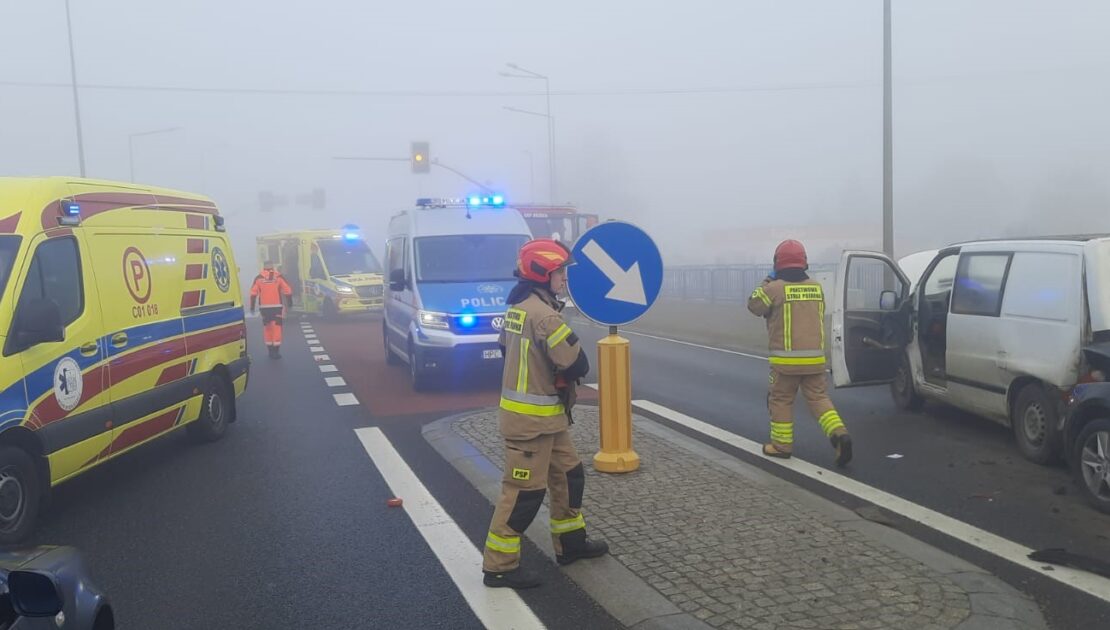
point(433, 320)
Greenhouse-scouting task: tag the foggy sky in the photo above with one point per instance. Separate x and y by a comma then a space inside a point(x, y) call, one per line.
point(687, 118)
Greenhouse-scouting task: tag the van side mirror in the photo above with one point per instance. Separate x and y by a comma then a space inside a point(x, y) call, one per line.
point(39, 321)
point(397, 280)
point(888, 301)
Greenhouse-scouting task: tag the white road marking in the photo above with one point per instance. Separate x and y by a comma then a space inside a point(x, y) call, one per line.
point(345, 399)
point(692, 345)
point(328, 368)
point(321, 357)
point(311, 339)
point(335, 381)
point(316, 348)
point(495, 608)
point(1005, 549)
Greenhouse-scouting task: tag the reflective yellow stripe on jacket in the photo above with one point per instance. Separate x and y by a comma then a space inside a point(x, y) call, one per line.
point(557, 337)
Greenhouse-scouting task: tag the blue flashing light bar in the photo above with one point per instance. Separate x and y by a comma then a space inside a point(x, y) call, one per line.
point(72, 209)
point(473, 201)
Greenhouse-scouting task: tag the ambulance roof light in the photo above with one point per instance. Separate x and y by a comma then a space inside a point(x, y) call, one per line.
point(72, 209)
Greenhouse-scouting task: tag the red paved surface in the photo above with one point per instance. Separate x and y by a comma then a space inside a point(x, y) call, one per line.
point(355, 347)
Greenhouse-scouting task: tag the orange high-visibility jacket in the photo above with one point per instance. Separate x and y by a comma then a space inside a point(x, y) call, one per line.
point(269, 289)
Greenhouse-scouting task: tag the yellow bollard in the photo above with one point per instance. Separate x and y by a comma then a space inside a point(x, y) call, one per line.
point(614, 385)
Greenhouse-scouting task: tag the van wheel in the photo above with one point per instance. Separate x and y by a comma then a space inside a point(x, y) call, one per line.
point(1091, 463)
point(420, 379)
point(20, 494)
point(1034, 419)
point(902, 389)
point(330, 310)
point(215, 412)
point(390, 357)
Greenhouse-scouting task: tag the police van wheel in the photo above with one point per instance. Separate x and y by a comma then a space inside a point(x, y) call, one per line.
point(420, 379)
point(215, 412)
point(390, 357)
point(20, 494)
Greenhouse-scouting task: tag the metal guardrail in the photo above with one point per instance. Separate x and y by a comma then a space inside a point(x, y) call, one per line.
point(724, 283)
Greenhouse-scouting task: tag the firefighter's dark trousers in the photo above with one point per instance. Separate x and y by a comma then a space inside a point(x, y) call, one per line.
point(534, 467)
point(780, 402)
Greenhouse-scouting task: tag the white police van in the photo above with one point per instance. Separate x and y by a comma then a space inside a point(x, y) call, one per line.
point(450, 269)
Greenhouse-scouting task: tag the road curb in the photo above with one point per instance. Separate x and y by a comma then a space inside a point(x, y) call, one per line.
point(993, 602)
point(629, 599)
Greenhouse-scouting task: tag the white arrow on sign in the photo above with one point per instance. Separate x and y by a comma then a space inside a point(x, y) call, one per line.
point(628, 285)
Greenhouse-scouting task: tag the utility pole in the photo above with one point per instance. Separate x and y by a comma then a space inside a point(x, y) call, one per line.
point(76, 101)
point(888, 140)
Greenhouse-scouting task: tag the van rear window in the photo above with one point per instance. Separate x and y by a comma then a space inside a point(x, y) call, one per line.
point(9, 247)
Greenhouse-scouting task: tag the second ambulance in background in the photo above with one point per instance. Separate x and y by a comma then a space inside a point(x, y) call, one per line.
point(332, 272)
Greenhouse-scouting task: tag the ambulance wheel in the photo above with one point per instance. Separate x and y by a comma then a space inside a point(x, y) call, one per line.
point(215, 412)
point(390, 357)
point(330, 310)
point(20, 495)
point(421, 380)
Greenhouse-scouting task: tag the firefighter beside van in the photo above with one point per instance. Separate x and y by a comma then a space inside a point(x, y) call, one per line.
point(272, 294)
point(794, 307)
point(543, 362)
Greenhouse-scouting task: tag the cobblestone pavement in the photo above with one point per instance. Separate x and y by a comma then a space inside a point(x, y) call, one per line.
point(725, 549)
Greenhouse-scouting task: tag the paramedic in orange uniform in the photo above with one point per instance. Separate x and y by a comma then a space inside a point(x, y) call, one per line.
point(272, 294)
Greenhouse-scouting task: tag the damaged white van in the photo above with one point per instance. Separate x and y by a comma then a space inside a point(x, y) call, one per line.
point(1006, 329)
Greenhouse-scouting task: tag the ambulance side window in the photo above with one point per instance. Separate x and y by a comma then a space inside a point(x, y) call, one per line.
point(55, 273)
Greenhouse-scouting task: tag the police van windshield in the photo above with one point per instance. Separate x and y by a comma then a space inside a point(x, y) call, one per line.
point(9, 246)
point(344, 257)
point(467, 258)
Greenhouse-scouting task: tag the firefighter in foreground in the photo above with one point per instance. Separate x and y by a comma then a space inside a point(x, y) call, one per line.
point(273, 295)
point(543, 362)
point(794, 307)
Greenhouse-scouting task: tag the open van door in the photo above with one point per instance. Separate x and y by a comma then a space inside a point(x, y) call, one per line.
point(871, 319)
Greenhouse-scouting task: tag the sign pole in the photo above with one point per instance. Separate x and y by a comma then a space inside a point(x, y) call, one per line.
point(616, 278)
point(614, 361)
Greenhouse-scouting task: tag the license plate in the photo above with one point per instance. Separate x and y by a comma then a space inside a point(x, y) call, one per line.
point(491, 354)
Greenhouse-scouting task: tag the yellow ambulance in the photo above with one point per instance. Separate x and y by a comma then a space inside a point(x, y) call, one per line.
point(331, 272)
point(121, 319)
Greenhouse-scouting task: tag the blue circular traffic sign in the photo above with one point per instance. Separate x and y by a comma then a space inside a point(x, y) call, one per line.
point(617, 274)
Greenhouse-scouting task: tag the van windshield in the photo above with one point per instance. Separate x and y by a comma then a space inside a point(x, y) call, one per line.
point(343, 257)
point(9, 247)
point(467, 257)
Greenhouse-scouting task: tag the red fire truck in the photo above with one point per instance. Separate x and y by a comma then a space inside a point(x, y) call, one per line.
point(563, 223)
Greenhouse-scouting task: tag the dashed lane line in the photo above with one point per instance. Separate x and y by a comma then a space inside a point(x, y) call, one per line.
point(345, 400)
point(328, 368)
point(335, 381)
point(316, 348)
point(495, 608)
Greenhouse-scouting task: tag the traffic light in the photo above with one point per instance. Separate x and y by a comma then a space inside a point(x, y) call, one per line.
point(421, 162)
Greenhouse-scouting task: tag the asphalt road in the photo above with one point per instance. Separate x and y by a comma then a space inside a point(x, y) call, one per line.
point(952, 462)
point(283, 523)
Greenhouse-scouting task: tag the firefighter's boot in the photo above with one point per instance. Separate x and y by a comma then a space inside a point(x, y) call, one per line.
point(518, 578)
point(842, 442)
point(580, 547)
point(771, 450)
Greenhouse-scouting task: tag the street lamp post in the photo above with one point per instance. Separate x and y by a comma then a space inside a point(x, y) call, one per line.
point(76, 101)
point(522, 73)
point(131, 146)
point(550, 157)
point(888, 139)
